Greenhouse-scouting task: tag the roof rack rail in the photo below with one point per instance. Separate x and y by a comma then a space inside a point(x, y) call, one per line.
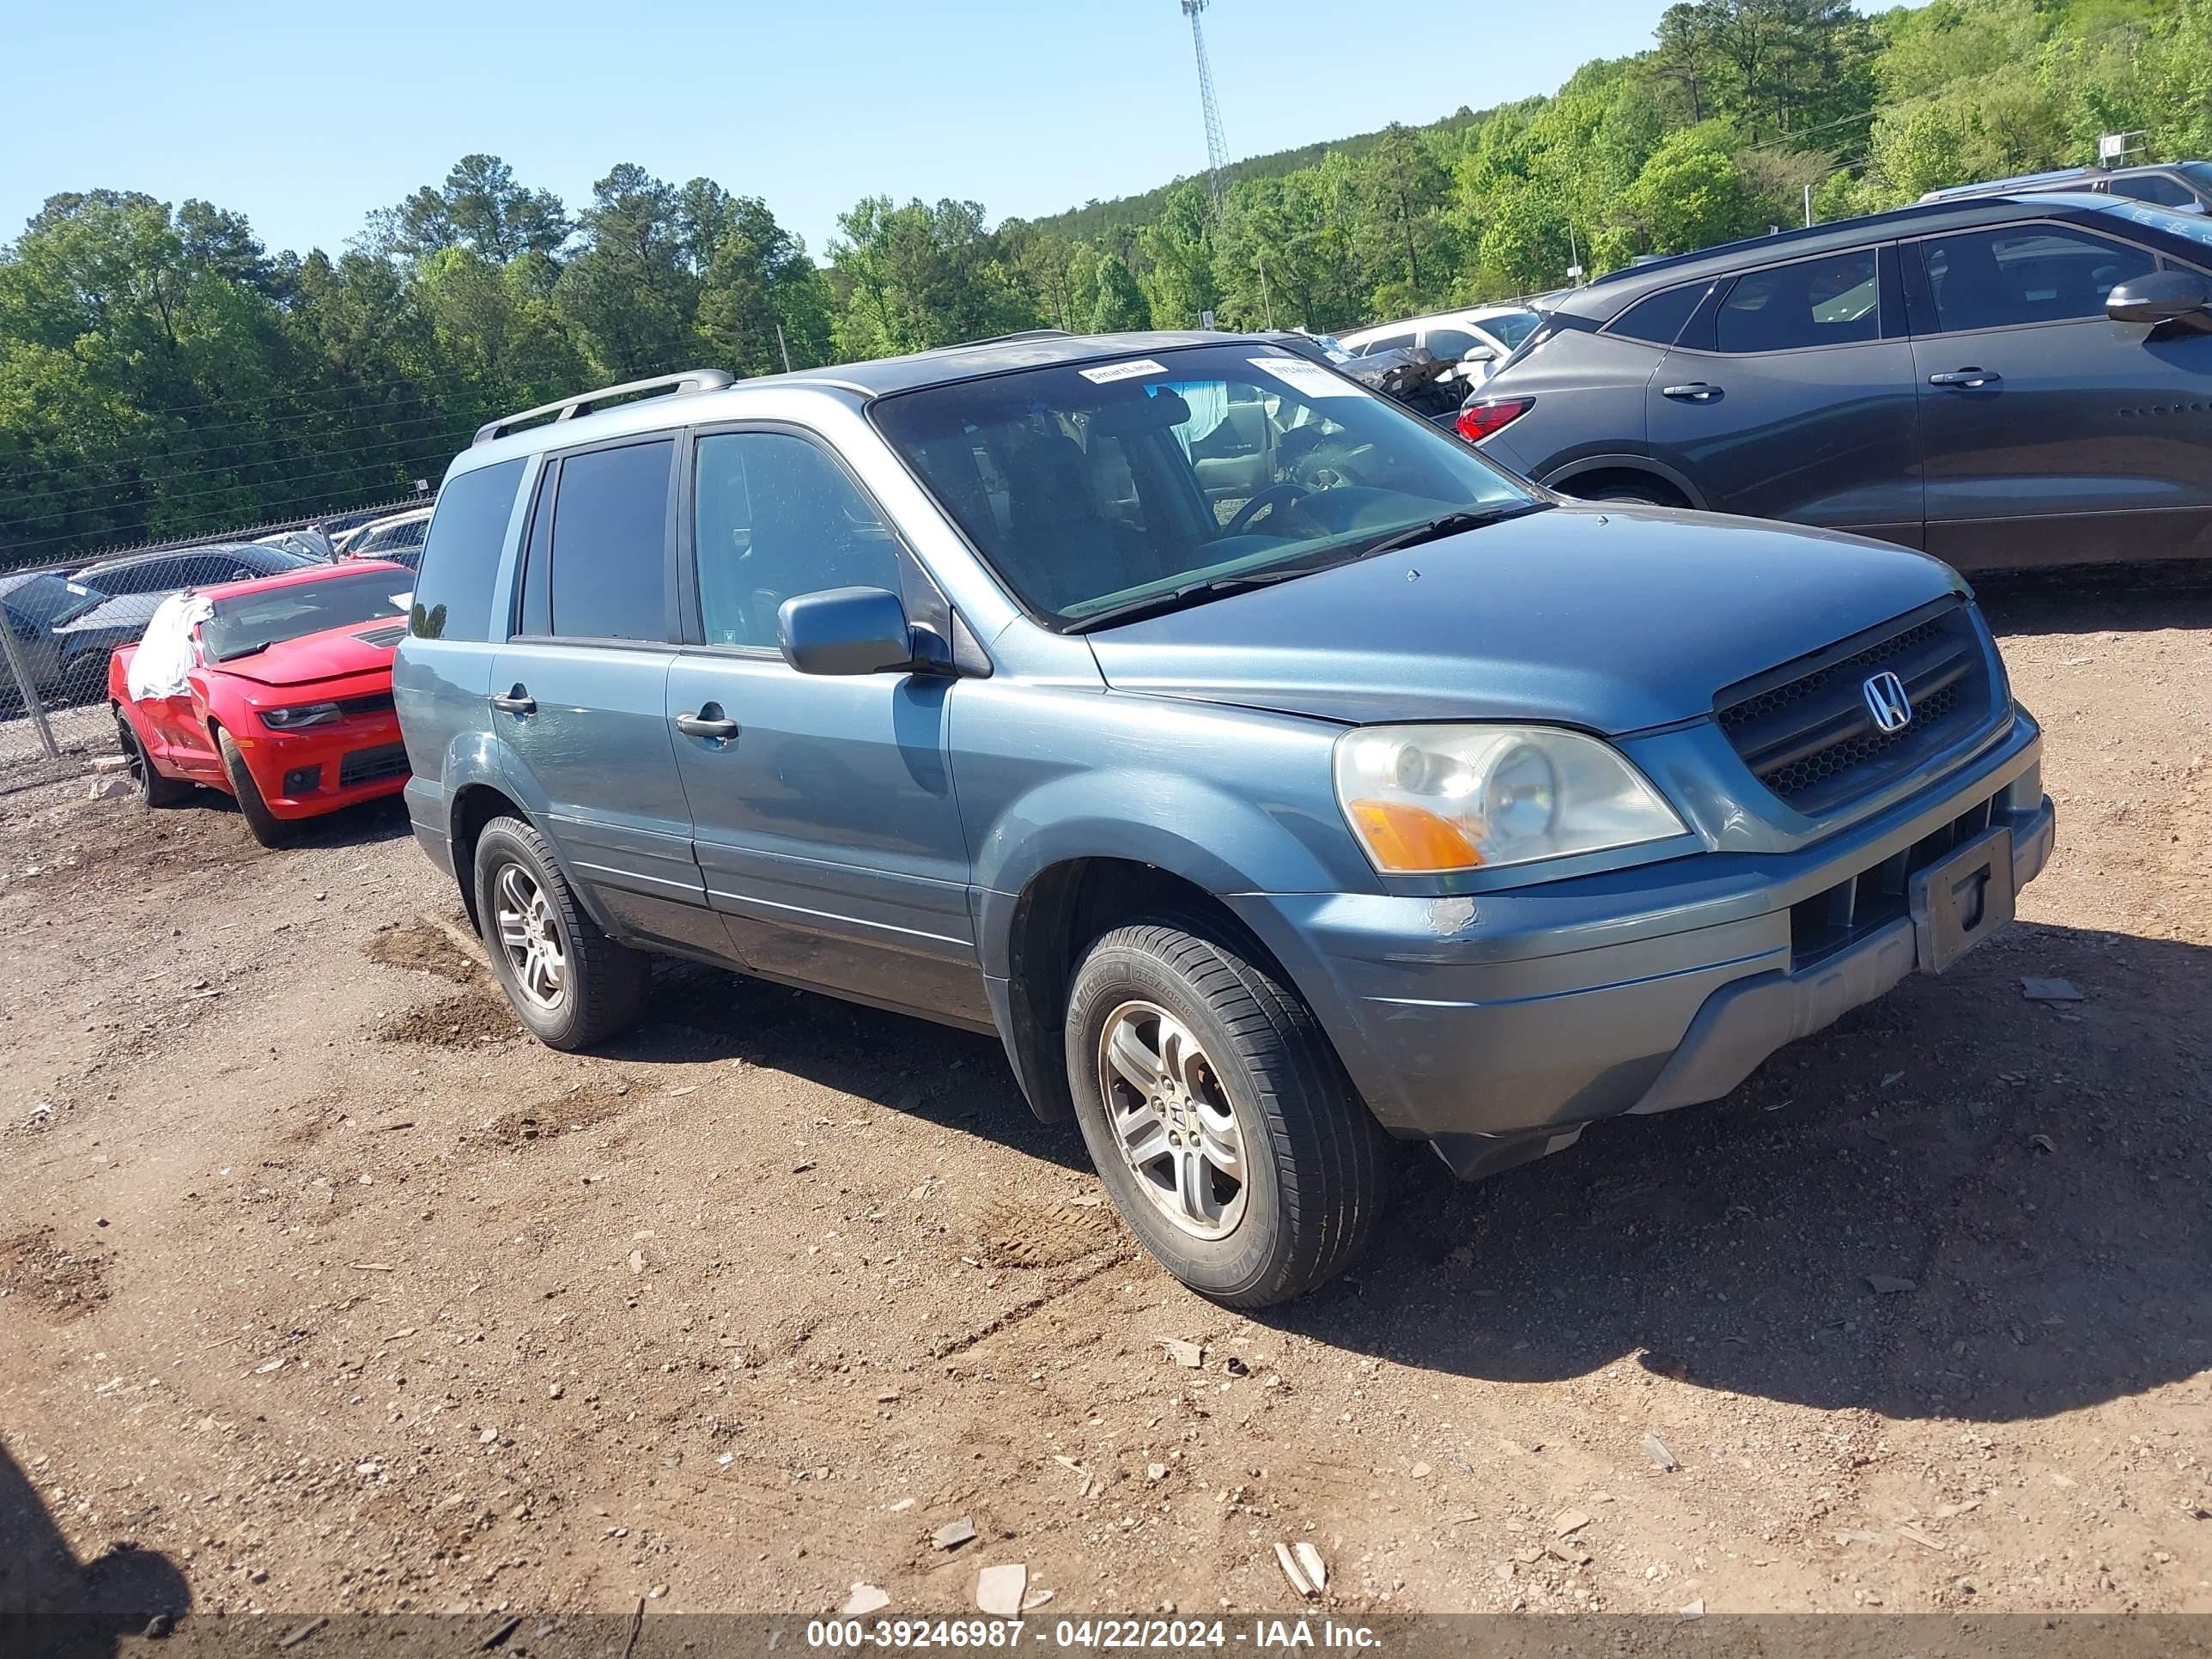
point(1005, 339)
point(567, 409)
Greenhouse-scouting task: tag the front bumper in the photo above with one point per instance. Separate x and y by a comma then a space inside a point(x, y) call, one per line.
point(1497, 1025)
point(323, 769)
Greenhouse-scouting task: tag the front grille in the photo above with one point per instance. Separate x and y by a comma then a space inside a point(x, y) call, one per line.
point(390, 635)
point(1806, 732)
point(1845, 914)
point(387, 760)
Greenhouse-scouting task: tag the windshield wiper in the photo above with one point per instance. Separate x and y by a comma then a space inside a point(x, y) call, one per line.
point(1183, 598)
point(1450, 524)
point(246, 651)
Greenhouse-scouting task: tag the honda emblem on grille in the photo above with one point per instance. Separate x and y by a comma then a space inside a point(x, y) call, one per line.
point(1886, 701)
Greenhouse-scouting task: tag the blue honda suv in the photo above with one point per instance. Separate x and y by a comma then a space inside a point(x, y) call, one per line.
point(1267, 812)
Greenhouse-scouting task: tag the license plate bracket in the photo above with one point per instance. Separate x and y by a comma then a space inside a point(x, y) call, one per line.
point(1961, 899)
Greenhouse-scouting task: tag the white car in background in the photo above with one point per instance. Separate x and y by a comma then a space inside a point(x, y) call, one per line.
point(1465, 335)
point(398, 539)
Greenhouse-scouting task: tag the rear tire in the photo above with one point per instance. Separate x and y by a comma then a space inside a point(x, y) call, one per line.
point(153, 788)
point(268, 829)
point(1240, 1075)
point(1635, 495)
point(568, 982)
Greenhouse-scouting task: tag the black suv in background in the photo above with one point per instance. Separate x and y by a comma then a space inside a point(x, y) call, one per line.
point(2003, 381)
point(2185, 186)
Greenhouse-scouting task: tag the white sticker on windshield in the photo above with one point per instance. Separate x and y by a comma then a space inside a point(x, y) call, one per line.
point(1107, 373)
point(1307, 379)
point(74, 589)
point(401, 601)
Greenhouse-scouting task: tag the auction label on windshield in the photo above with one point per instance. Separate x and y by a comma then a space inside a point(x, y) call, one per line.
point(1307, 379)
point(1107, 373)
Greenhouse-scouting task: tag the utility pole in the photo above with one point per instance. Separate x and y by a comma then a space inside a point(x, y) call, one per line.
point(1808, 205)
point(1264, 300)
point(1217, 147)
point(784, 349)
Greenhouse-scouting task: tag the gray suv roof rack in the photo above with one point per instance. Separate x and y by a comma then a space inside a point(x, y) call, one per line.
point(672, 385)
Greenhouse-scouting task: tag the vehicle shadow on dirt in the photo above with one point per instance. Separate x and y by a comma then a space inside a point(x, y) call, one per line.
point(53, 1607)
point(955, 1078)
point(1955, 1203)
point(2124, 597)
point(364, 825)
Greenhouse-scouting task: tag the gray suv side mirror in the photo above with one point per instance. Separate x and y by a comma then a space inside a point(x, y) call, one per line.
point(2162, 296)
point(844, 630)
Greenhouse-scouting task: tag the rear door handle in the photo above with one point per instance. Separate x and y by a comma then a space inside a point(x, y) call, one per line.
point(517, 701)
point(708, 722)
point(1968, 376)
point(1698, 392)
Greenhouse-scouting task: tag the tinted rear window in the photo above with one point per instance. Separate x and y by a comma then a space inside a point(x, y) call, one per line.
point(461, 555)
point(610, 542)
point(1658, 318)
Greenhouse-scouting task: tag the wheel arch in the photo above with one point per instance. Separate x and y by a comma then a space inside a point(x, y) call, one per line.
point(1643, 469)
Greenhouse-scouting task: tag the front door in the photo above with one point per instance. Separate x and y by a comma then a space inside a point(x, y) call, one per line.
point(1790, 395)
point(579, 696)
point(822, 807)
point(2053, 435)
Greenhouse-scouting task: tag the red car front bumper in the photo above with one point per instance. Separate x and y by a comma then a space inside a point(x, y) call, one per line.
point(302, 775)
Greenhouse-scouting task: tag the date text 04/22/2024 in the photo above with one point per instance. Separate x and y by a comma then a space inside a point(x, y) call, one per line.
point(1265, 1635)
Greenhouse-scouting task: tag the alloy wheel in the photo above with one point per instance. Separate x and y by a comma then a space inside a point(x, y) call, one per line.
point(530, 933)
point(1173, 1119)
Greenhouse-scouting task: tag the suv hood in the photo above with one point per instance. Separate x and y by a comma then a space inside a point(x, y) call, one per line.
point(332, 654)
point(1613, 619)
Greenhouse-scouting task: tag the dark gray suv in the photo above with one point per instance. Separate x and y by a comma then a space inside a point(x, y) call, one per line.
point(2002, 381)
point(1264, 814)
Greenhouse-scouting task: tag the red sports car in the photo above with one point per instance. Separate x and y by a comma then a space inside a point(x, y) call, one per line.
point(278, 690)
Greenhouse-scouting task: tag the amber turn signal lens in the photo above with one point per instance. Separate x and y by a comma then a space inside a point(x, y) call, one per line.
point(1409, 841)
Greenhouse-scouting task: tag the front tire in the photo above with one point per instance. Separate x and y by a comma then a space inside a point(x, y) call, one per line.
point(153, 788)
point(268, 829)
point(569, 983)
point(1219, 1116)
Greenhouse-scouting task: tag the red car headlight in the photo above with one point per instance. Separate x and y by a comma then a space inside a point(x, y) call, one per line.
point(306, 713)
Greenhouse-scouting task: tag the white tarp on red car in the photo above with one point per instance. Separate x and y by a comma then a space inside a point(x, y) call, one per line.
point(164, 656)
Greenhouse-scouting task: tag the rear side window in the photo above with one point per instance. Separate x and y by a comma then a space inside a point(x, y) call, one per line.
point(1658, 318)
point(1387, 342)
point(2026, 274)
point(1815, 302)
point(461, 555)
point(2154, 187)
point(608, 554)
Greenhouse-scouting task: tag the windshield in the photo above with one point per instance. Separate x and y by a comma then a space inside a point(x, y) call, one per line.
point(1510, 327)
point(253, 621)
point(2190, 226)
point(1090, 488)
point(51, 601)
point(2198, 173)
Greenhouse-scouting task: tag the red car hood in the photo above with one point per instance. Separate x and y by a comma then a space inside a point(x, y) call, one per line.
point(336, 654)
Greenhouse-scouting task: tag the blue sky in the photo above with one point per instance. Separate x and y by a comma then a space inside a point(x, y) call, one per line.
point(304, 117)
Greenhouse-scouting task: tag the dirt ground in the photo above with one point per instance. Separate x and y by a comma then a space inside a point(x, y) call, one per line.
point(321, 1289)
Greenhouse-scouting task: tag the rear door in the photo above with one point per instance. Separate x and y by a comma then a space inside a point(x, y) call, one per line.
point(2054, 435)
point(1790, 395)
point(578, 693)
point(822, 810)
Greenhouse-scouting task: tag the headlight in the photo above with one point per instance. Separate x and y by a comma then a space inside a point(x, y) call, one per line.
point(1424, 800)
point(307, 714)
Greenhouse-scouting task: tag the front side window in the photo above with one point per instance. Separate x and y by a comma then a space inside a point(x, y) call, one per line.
point(1453, 342)
point(608, 577)
point(1079, 485)
point(2025, 274)
point(1387, 342)
point(1815, 302)
point(251, 622)
point(774, 516)
point(461, 555)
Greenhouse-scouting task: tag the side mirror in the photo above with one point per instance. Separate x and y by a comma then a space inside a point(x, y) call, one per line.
point(2162, 296)
point(844, 630)
point(1481, 354)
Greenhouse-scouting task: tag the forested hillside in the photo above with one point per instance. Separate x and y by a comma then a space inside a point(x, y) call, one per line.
point(161, 373)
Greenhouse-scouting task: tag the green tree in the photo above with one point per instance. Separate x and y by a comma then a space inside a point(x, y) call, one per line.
point(1120, 303)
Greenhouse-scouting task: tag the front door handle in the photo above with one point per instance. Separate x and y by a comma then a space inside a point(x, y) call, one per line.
point(516, 701)
point(1968, 377)
point(1698, 392)
point(709, 722)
